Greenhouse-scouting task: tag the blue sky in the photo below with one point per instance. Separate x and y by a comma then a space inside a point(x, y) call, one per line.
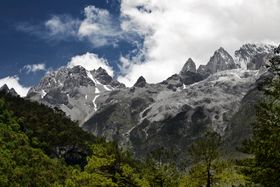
point(20, 48)
point(129, 38)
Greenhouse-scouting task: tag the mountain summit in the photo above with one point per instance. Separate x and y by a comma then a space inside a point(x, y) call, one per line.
point(172, 113)
point(6, 90)
point(188, 67)
point(253, 56)
point(220, 61)
point(74, 90)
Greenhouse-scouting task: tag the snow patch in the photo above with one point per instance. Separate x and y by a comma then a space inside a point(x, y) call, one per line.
point(97, 91)
point(90, 76)
point(43, 94)
point(107, 88)
point(93, 101)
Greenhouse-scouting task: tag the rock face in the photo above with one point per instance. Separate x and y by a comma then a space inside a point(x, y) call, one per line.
point(74, 90)
point(188, 75)
point(253, 56)
point(188, 67)
point(141, 82)
point(155, 116)
point(172, 113)
point(6, 90)
point(220, 61)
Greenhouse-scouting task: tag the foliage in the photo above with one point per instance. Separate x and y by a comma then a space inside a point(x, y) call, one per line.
point(264, 168)
point(21, 164)
point(50, 130)
point(204, 153)
point(160, 168)
point(226, 173)
point(107, 166)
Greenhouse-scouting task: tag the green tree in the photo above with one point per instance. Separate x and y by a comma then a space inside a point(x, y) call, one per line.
point(20, 163)
point(160, 168)
point(264, 168)
point(204, 153)
point(108, 166)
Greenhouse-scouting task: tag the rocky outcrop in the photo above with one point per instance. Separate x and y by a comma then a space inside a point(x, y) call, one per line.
point(188, 67)
point(253, 56)
point(74, 90)
point(141, 82)
point(172, 113)
point(220, 61)
point(6, 90)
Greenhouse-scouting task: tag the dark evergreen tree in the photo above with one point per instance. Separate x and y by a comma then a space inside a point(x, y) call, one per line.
point(204, 153)
point(264, 168)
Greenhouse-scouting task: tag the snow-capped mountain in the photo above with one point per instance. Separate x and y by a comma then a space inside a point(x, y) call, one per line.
point(73, 90)
point(172, 113)
point(220, 61)
point(253, 56)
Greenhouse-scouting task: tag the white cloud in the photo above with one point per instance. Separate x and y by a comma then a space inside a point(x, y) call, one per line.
point(90, 61)
point(175, 30)
point(13, 82)
point(172, 31)
point(61, 27)
point(99, 27)
point(34, 68)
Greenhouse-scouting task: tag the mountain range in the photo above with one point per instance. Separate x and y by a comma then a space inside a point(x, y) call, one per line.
point(218, 96)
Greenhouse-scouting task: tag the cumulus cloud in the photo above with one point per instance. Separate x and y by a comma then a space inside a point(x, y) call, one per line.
point(34, 68)
point(170, 31)
point(13, 82)
point(59, 27)
point(176, 30)
point(97, 26)
point(90, 61)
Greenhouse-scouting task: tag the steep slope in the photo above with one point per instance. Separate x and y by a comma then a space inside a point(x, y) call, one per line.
point(253, 56)
point(143, 119)
point(73, 90)
point(6, 90)
point(172, 113)
point(188, 75)
point(220, 61)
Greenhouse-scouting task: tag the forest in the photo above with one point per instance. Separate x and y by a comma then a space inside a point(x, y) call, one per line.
point(40, 146)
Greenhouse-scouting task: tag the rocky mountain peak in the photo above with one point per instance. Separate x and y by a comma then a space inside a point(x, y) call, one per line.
point(253, 56)
point(74, 90)
point(78, 70)
point(221, 57)
point(141, 82)
point(6, 90)
point(101, 71)
point(222, 50)
point(102, 76)
point(188, 67)
point(220, 61)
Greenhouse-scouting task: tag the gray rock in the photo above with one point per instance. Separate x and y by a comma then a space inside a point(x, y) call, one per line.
point(253, 56)
point(172, 113)
point(141, 82)
point(74, 90)
point(11, 91)
point(220, 61)
point(188, 67)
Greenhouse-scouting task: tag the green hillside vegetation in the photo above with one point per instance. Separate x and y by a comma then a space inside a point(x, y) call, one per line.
point(34, 152)
point(264, 167)
point(40, 146)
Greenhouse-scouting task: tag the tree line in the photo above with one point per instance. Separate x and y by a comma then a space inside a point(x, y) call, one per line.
point(40, 146)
